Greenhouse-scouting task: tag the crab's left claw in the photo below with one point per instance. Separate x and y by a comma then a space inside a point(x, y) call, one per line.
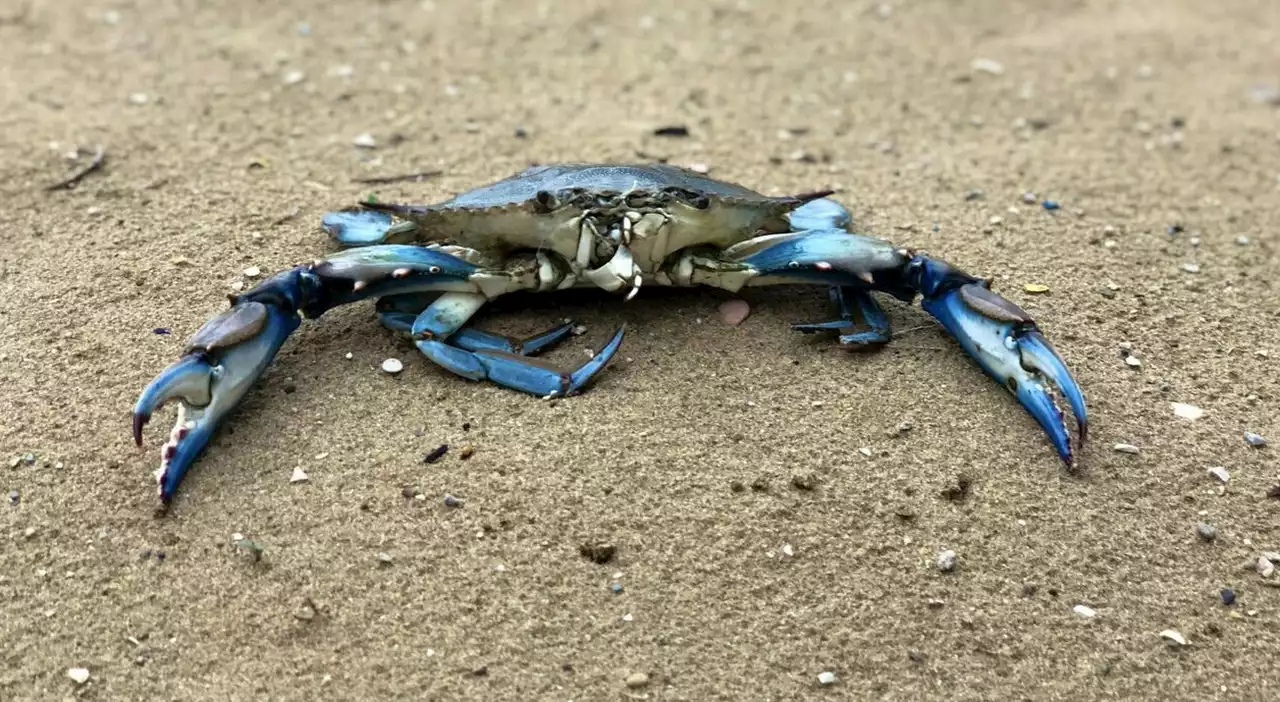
point(221, 363)
point(1006, 342)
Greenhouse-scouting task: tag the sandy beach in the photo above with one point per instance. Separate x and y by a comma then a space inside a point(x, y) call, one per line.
point(774, 507)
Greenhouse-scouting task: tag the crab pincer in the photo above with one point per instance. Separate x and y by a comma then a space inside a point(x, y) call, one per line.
point(1006, 342)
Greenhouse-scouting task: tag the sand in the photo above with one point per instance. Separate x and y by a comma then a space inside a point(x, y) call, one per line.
point(756, 544)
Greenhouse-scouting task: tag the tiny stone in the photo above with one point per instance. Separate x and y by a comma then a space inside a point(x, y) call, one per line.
point(409, 492)
point(1084, 611)
point(139, 98)
point(1206, 532)
point(1173, 636)
point(436, 454)
point(902, 428)
point(392, 366)
point(465, 451)
point(1265, 567)
point(252, 272)
point(1255, 440)
point(349, 356)
point(1029, 198)
point(947, 561)
point(1242, 241)
point(384, 558)
point(628, 617)
point(787, 550)
point(451, 501)
point(1220, 473)
point(635, 680)
point(616, 588)
point(974, 195)
point(294, 77)
point(79, 675)
point(298, 476)
point(1127, 448)
point(1191, 267)
point(1187, 411)
point(14, 497)
point(1050, 205)
point(1132, 361)
point(985, 65)
point(1228, 596)
point(364, 141)
point(826, 677)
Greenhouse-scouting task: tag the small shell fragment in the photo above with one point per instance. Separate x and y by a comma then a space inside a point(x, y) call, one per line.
point(1187, 411)
point(392, 366)
point(1174, 636)
point(1036, 288)
point(1133, 361)
point(364, 141)
point(79, 675)
point(1084, 611)
point(734, 311)
point(1255, 440)
point(1221, 474)
point(299, 476)
point(1127, 448)
point(827, 677)
point(1265, 567)
point(252, 272)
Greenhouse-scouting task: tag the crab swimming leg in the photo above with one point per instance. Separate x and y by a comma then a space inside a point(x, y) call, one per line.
point(1000, 336)
point(231, 351)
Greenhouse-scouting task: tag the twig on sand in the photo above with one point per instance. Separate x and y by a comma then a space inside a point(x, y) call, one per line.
point(382, 180)
point(99, 158)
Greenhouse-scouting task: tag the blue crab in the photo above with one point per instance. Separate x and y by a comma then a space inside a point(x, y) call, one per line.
point(615, 227)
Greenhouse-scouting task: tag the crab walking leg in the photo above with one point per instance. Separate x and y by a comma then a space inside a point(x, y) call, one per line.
point(399, 312)
point(847, 299)
point(232, 350)
point(451, 311)
point(1000, 336)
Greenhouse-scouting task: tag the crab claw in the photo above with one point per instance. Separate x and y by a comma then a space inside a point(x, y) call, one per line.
point(1006, 342)
point(221, 363)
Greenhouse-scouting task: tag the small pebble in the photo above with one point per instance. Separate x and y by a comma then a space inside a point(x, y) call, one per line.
point(1265, 567)
point(1036, 288)
point(384, 558)
point(1173, 636)
point(1255, 440)
point(79, 675)
point(636, 680)
point(1191, 267)
point(1127, 448)
point(1187, 411)
point(252, 272)
point(1084, 611)
point(392, 366)
point(1132, 361)
point(298, 476)
point(1221, 474)
point(294, 77)
point(364, 141)
point(1029, 198)
point(436, 454)
point(986, 65)
point(827, 677)
point(947, 561)
point(1242, 241)
point(1050, 205)
point(616, 588)
point(1228, 596)
point(628, 617)
point(734, 311)
point(1206, 532)
point(466, 451)
point(451, 501)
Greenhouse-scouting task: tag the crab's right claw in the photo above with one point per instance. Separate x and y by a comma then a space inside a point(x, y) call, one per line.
point(221, 363)
point(1006, 342)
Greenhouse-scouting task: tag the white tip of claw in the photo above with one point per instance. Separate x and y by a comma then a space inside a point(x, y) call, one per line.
point(822, 266)
point(358, 286)
point(865, 276)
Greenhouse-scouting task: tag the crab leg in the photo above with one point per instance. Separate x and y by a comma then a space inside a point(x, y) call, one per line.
point(847, 298)
point(231, 351)
point(1000, 336)
point(436, 326)
point(399, 312)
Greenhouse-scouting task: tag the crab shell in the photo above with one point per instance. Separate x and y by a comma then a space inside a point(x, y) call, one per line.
point(658, 208)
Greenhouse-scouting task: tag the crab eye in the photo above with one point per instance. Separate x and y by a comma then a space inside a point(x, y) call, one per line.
point(434, 269)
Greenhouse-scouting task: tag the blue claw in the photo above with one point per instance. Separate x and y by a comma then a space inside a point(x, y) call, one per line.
point(221, 363)
point(366, 228)
point(1006, 343)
